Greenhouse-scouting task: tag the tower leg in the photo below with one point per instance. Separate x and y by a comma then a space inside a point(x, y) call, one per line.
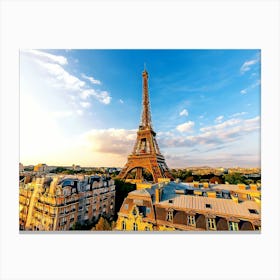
point(139, 173)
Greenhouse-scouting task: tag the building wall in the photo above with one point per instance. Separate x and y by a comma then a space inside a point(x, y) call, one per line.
point(56, 208)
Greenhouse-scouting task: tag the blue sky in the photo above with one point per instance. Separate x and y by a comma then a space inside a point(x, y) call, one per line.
point(83, 106)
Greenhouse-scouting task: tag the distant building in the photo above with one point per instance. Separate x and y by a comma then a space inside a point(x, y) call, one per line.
point(171, 206)
point(55, 204)
point(21, 167)
point(41, 167)
point(76, 167)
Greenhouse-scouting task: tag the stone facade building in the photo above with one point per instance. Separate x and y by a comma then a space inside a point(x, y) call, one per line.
point(58, 203)
point(175, 206)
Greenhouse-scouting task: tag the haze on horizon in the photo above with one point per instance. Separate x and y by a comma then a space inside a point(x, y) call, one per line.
point(83, 106)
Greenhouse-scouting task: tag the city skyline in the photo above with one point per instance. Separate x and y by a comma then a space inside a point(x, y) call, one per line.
point(83, 106)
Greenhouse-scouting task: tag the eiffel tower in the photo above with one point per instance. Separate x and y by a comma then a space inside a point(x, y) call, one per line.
point(146, 153)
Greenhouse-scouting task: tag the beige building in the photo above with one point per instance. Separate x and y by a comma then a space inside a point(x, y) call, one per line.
point(58, 203)
point(172, 206)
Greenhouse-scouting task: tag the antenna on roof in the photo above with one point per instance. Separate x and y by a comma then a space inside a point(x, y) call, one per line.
point(144, 66)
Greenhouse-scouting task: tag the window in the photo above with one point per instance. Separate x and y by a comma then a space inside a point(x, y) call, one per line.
point(191, 221)
point(134, 211)
point(211, 224)
point(148, 210)
point(253, 211)
point(233, 226)
point(170, 216)
point(208, 205)
point(123, 225)
point(126, 206)
point(135, 227)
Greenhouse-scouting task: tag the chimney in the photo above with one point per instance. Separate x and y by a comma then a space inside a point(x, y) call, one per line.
point(157, 195)
point(53, 185)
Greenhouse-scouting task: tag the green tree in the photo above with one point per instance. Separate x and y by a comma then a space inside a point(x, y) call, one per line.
point(234, 178)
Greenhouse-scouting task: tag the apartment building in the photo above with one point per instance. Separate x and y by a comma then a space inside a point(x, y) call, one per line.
point(58, 203)
point(172, 206)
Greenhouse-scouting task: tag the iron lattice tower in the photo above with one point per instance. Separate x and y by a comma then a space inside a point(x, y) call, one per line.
point(146, 153)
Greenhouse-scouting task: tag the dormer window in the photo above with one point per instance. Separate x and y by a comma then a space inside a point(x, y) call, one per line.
point(134, 211)
point(253, 211)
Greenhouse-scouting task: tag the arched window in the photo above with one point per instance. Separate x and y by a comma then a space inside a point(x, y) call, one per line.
point(135, 227)
point(123, 225)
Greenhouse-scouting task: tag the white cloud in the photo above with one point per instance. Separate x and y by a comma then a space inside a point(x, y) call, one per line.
point(46, 56)
point(85, 104)
point(238, 114)
point(121, 101)
point(80, 112)
point(185, 127)
point(219, 119)
point(246, 66)
point(91, 79)
point(220, 126)
point(214, 136)
point(102, 96)
point(252, 86)
point(63, 79)
point(184, 113)
point(257, 83)
point(112, 141)
point(62, 114)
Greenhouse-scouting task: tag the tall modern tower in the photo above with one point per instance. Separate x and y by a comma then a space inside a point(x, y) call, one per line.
point(146, 153)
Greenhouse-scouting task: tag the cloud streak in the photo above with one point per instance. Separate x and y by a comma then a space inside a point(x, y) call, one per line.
point(184, 113)
point(111, 141)
point(44, 56)
point(223, 133)
point(61, 78)
point(91, 79)
point(185, 127)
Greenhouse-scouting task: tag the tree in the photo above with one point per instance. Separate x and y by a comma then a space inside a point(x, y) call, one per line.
point(102, 224)
point(215, 179)
point(189, 179)
point(234, 178)
point(122, 190)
